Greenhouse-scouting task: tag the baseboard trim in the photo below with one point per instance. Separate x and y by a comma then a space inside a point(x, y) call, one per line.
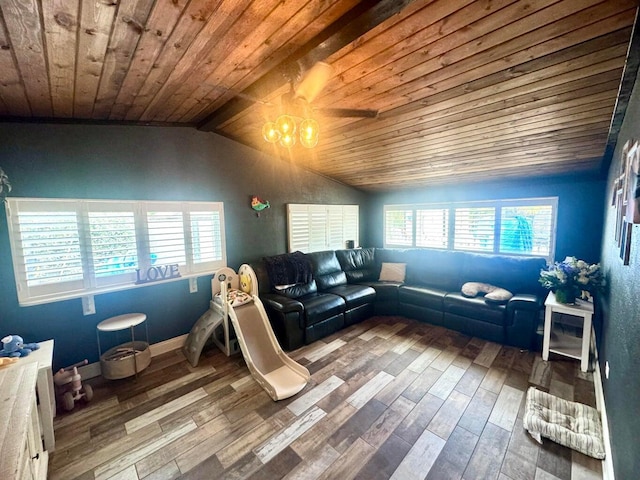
point(168, 345)
point(93, 369)
point(607, 462)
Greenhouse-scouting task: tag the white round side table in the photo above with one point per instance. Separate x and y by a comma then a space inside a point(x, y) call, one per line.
point(129, 358)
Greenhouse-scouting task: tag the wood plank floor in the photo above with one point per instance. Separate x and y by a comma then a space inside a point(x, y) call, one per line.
point(389, 398)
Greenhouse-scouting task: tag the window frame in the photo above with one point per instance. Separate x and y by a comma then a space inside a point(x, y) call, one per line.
point(92, 282)
point(412, 210)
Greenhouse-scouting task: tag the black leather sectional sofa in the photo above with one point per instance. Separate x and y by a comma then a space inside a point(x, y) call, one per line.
point(344, 288)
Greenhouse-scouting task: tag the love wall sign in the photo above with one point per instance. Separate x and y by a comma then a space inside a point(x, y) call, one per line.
point(157, 273)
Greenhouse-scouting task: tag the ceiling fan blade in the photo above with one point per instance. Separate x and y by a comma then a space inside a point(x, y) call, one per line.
point(244, 96)
point(314, 81)
point(347, 112)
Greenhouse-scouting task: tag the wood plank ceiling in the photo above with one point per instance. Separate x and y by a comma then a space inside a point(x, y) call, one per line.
point(467, 90)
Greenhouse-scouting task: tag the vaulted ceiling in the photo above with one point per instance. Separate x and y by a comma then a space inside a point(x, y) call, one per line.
point(466, 90)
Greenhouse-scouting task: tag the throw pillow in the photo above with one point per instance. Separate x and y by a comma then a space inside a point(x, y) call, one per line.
point(499, 295)
point(392, 272)
point(492, 293)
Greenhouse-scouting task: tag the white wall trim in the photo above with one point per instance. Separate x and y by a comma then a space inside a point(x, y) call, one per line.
point(93, 369)
point(607, 462)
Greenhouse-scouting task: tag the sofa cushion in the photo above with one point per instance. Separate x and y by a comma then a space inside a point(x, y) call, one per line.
point(422, 296)
point(385, 291)
point(491, 293)
point(391, 255)
point(434, 268)
point(355, 258)
point(475, 308)
point(327, 271)
point(516, 274)
point(392, 272)
point(354, 295)
point(321, 306)
point(298, 290)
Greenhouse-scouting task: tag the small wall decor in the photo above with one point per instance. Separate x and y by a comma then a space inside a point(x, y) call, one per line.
point(258, 205)
point(626, 198)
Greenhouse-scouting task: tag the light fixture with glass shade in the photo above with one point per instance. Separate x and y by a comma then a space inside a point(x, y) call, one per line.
point(285, 131)
point(296, 123)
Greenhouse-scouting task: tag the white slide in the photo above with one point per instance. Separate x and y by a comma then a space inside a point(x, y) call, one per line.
point(279, 375)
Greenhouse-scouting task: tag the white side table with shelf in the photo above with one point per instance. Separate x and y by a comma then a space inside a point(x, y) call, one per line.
point(563, 344)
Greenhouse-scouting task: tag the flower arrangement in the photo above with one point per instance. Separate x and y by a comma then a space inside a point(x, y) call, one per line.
point(571, 279)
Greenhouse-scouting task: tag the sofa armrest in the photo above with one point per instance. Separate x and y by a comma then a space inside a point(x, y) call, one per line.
point(281, 303)
point(286, 318)
point(524, 301)
point(523, 313)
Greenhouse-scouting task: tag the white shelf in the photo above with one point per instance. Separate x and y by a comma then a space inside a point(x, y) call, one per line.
point(566, 345)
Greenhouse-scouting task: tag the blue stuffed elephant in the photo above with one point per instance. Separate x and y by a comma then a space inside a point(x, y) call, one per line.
point(14, 346)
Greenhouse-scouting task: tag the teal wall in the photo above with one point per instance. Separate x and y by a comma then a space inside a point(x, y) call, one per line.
point(619, 321)
point(579, 207)
point(147, 163)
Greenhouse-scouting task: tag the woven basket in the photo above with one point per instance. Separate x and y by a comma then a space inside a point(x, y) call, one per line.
point(118, 362)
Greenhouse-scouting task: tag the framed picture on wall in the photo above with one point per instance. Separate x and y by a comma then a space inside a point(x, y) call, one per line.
point(626, 198)
point(632, 193)
point(625, 244)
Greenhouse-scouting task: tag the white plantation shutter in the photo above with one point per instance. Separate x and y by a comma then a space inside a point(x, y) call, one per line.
point(317, 228)
point(207, 240)
point(335, 229)
point(166, 238)
point(313, 228)
point(46, 246)
point(350, 217)
point(398, 227)
point(72, 248)
point(113, 256)
point(298, 227)
point(527, 229)
point(475, 229)
point(432, 228)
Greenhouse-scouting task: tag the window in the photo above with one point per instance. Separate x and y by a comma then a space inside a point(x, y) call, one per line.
point(73, 248)
point(313, 228)
point(512, 227)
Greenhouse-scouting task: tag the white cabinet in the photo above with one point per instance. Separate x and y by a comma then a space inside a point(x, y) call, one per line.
point(23, 456)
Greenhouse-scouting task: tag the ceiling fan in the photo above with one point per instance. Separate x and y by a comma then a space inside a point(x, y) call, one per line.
point(307, 85)
point(297, 112)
